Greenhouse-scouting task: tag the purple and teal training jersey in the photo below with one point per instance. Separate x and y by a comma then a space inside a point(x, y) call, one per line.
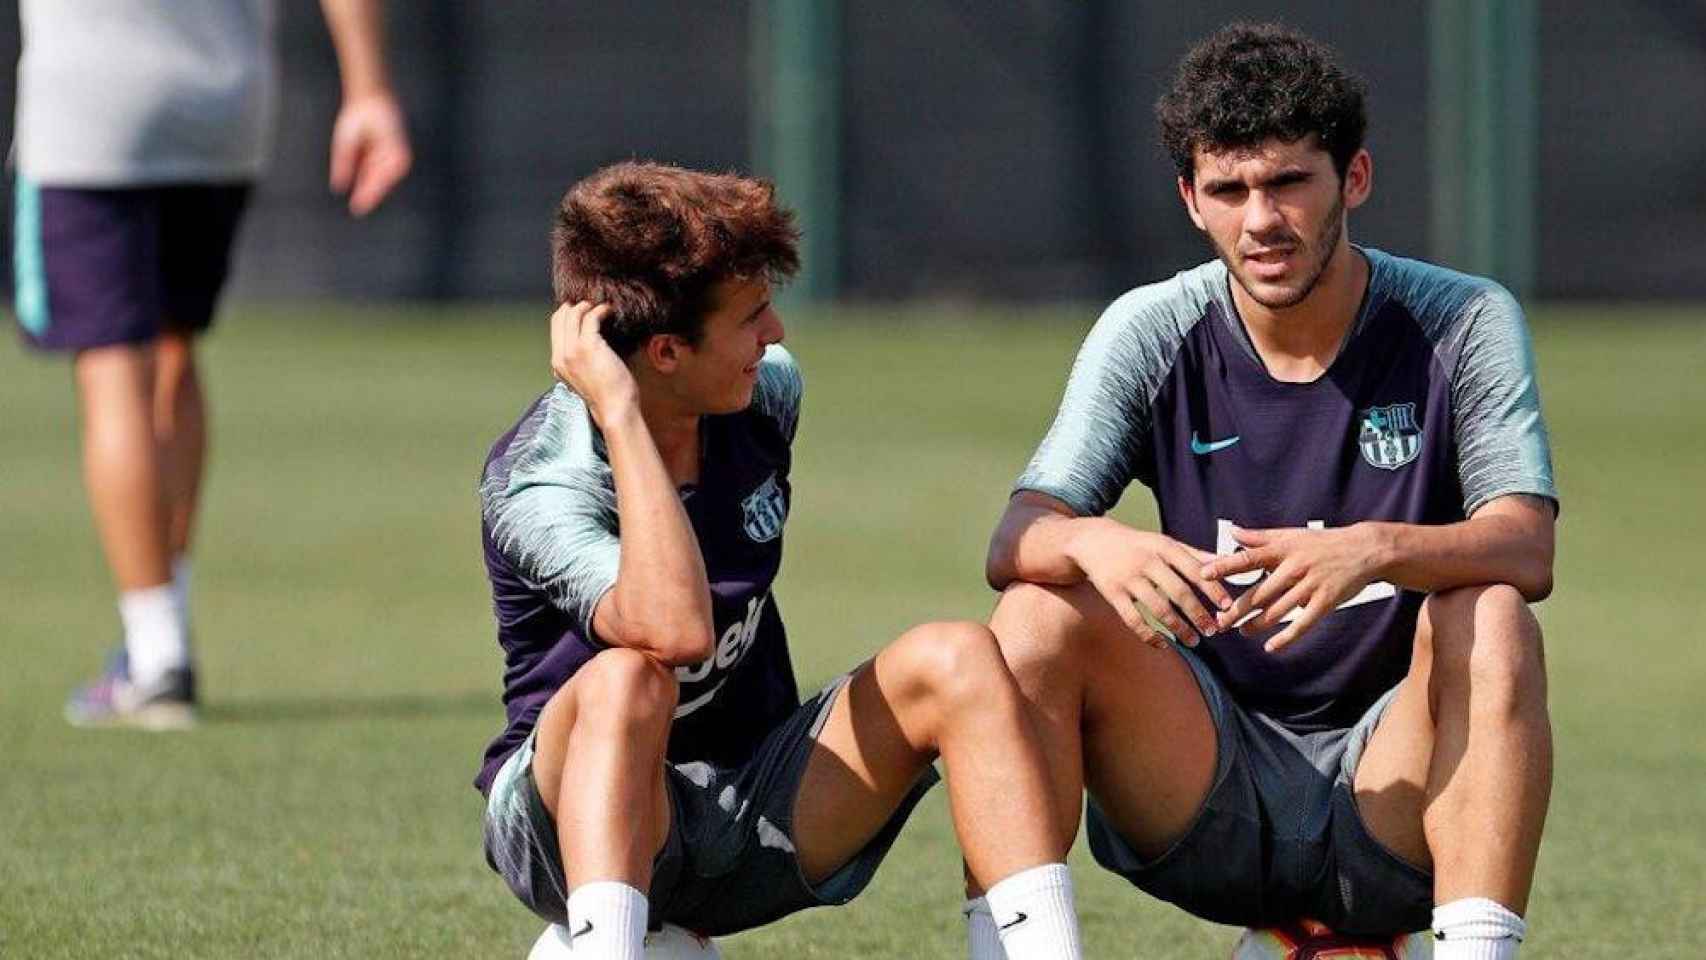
point(552, 541)
point(1429, 411)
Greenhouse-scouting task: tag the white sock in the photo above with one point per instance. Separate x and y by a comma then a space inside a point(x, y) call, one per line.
point(983, 942)
point(1476, 928)
point(1034, 916)
point(607, 921)
point(154, 635)
point(181, 583)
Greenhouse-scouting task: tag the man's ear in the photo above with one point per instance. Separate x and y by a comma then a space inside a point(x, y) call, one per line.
point(1359, 179)
point(1188, 193)
point(663, 351)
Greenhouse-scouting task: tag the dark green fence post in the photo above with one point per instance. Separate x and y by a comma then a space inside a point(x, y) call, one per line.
point(796, 84)
point(1483, 127)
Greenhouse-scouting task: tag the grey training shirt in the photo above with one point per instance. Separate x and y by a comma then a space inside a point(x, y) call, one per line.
point(131, 92)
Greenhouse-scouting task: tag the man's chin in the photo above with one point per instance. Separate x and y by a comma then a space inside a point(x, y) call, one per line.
point(741, 400)
point(1274, 296)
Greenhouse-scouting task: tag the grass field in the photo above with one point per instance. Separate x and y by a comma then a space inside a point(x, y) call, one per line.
point(324, 811)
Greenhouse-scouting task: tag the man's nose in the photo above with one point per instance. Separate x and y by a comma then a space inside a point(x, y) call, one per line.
point(1262, 214)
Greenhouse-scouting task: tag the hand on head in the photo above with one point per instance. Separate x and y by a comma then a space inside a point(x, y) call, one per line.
point(582, 358)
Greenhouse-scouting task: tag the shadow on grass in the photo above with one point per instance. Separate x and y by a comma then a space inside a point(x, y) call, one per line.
point(262, 711)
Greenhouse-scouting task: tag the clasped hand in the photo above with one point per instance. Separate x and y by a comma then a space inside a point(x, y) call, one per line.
point(1158, 585)
point(1309, 573)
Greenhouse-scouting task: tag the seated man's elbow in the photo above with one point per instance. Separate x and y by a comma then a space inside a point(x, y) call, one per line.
point(999, 570)
point(1537, 586)
point(671, 642)
point(1537, 579)
point(685, 643)
point(1532, 579)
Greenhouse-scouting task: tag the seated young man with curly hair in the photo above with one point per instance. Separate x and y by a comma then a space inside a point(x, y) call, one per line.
point(1354, 439)
point(657, 765)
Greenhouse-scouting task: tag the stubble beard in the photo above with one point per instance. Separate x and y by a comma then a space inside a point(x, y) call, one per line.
point(1326, 242)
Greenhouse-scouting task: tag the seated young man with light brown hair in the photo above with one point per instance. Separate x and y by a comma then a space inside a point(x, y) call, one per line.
point(657, 765)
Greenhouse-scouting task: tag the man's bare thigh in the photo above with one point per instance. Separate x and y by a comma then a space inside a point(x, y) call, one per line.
point(1148, 737)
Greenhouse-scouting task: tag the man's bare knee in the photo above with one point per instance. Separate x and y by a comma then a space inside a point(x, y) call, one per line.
point(625, 688)
point(951, 666)
point(120, 369)
point(1045, 630)
point(1485, 641)
point(1044, 606)
point(1044, 639)
point(177, 389)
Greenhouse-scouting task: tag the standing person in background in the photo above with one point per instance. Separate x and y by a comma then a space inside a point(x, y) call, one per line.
point(141, 129)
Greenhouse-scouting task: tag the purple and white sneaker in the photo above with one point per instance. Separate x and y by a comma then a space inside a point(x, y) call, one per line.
point(114, 701)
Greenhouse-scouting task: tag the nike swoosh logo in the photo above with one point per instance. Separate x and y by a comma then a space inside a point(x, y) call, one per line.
point(581, 932)
point(1021, 918)
point(1199, 448)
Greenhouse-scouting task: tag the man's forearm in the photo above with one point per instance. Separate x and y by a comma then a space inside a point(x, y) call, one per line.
point(1494, 548)
point(662, 600)
point(358, 35)
point(1033, 545)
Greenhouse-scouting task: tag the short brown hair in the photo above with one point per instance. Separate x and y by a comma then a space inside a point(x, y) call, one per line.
point(652, 240)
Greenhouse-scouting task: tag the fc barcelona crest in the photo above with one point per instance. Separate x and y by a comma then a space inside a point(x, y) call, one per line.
point(1389, 436)
point(765, 510)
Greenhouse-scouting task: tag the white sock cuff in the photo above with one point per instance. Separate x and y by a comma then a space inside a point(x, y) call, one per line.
point(1049, 876)
point(1034, 915)
point(148, 601)
point(1477, 917)
point(155, 636)
point(606, 890)
point(607, 919)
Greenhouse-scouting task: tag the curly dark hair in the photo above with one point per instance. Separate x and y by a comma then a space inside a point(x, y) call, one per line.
point(652, 241)
point(1249, 82)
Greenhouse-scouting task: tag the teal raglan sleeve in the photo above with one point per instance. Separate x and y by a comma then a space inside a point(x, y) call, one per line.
point(550, 504)
point(1091, 451)
point(1502, 444)
point(1101, 437)
point(779, 389)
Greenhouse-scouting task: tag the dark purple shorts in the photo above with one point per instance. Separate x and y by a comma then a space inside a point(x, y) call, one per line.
point(95, 267)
